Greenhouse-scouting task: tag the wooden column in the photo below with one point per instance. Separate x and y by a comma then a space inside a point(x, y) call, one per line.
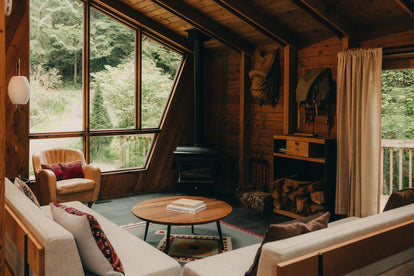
point(2, 128)
point(289, 89)
point(243, 123)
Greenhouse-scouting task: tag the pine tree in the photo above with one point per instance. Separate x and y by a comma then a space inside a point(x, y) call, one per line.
point(99, 119)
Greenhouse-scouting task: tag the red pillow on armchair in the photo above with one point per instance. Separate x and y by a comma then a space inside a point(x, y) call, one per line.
point(55, 168)
point(72, 170)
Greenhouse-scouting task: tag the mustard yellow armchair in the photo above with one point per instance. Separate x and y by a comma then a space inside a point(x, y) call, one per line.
point(52, 188)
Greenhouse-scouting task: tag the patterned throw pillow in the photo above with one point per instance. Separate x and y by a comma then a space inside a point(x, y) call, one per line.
point(96, 252)
point(55, 168)
point(72, 170)
point(22, 186)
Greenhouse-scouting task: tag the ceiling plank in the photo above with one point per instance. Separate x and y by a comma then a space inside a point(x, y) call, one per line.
point(407, 5)
point(146, 23)
point(259, 20)
point(319, 11)
point(206, 24)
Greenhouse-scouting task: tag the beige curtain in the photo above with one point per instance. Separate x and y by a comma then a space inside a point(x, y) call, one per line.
point(359, 131)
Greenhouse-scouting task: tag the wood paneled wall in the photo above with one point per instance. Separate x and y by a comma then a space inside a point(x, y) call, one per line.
point(222, 102)
point(17, 116)
point(3, 93)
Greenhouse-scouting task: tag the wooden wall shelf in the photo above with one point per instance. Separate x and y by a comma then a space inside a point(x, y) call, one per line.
point(309, 158)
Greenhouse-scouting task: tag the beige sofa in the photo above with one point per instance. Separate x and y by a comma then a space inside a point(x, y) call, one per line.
point(59, 248)
point(347, 236)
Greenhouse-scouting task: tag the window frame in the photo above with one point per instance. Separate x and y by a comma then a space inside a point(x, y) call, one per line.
point(86, 133)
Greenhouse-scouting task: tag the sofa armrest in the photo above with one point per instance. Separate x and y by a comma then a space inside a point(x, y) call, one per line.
point(46, 181)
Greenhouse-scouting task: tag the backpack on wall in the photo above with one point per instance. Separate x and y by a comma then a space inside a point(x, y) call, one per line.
point(264, 78)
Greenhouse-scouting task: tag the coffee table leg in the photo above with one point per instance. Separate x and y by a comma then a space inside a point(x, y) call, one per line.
point(146, 230)
point(167, 245)
point(219, 231)
point(192, 229)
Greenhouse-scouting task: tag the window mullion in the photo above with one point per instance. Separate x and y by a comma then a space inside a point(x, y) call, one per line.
point(86, 79)
point(138, 81)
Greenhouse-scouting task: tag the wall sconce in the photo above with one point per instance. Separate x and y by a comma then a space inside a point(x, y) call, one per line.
point(19, 88)
point(7, 7)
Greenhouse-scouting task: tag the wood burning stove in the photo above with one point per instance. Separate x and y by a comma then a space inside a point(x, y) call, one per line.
point(196, 164)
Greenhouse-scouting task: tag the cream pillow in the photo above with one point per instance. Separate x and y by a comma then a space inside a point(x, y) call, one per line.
point(96, 252)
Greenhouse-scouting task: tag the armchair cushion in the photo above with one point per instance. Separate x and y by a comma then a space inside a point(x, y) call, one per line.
point(72, 170)
point(74, 185)
point(55, 168)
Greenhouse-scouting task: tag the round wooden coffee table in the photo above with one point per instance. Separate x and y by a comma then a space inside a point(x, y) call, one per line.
point(155, 210)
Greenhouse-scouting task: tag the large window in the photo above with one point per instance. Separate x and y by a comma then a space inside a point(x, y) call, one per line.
point(98, 85)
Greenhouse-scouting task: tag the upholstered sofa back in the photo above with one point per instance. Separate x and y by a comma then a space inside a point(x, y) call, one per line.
point(283, 250)
point(61, 253)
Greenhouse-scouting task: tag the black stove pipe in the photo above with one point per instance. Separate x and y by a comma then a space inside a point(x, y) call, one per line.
point(198, 39)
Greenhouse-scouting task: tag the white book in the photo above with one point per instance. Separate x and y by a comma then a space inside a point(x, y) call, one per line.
point(189, 203)
point(172, 207)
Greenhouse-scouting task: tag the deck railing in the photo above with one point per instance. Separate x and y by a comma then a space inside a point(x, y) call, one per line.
point(396, 165)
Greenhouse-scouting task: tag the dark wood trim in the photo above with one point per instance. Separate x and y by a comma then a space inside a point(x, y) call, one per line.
point(289, 89)
point(243, 121)
point(205, 24)
point(86, 79)
point(138, 79)
point(407, 6)
point(92, 133)
point(255, 17)
point(320, 12)
point(146, 23)
point(3, 95)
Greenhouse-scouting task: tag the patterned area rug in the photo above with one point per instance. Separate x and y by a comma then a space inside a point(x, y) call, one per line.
point(186, 248)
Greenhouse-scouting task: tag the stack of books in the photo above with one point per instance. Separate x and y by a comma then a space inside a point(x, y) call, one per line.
point(190, 206)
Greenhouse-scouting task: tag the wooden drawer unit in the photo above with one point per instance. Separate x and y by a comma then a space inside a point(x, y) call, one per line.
point(305, 149)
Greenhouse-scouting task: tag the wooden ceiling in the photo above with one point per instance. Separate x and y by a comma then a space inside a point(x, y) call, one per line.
point(245, 24)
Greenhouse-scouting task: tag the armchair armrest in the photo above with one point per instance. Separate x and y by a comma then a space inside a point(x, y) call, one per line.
point(46, 181)
point(94, 173)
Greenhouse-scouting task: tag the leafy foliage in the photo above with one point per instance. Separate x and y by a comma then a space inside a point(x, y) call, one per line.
point(56, 46)
point(397, 120)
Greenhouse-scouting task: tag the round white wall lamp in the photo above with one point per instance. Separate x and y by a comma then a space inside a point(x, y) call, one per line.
point(8, 7)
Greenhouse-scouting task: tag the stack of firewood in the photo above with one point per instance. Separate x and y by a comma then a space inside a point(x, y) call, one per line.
point(297, 196)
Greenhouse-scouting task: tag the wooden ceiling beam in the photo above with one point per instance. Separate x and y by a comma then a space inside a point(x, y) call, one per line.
point(206, 24)
point(264, 23)
point(146, 23)
point(407, 6)
point(319, 11)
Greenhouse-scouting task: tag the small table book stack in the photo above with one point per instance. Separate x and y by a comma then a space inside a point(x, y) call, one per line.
point(185, 205)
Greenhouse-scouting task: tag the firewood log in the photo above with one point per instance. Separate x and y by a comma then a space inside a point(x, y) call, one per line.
point(300, 203)
point(318, 197)
point(316, 208)
point(298, 193)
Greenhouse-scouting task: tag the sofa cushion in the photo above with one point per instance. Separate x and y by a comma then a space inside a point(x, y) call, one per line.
point(97, 253)
point(59, 244)
point(72, 170)
point(289, 229)
point(22, 186)
point(55, 168)
point(400, 198)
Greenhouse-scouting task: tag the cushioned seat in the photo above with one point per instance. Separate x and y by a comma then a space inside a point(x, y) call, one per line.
point(74, 185)
point(62, 175)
